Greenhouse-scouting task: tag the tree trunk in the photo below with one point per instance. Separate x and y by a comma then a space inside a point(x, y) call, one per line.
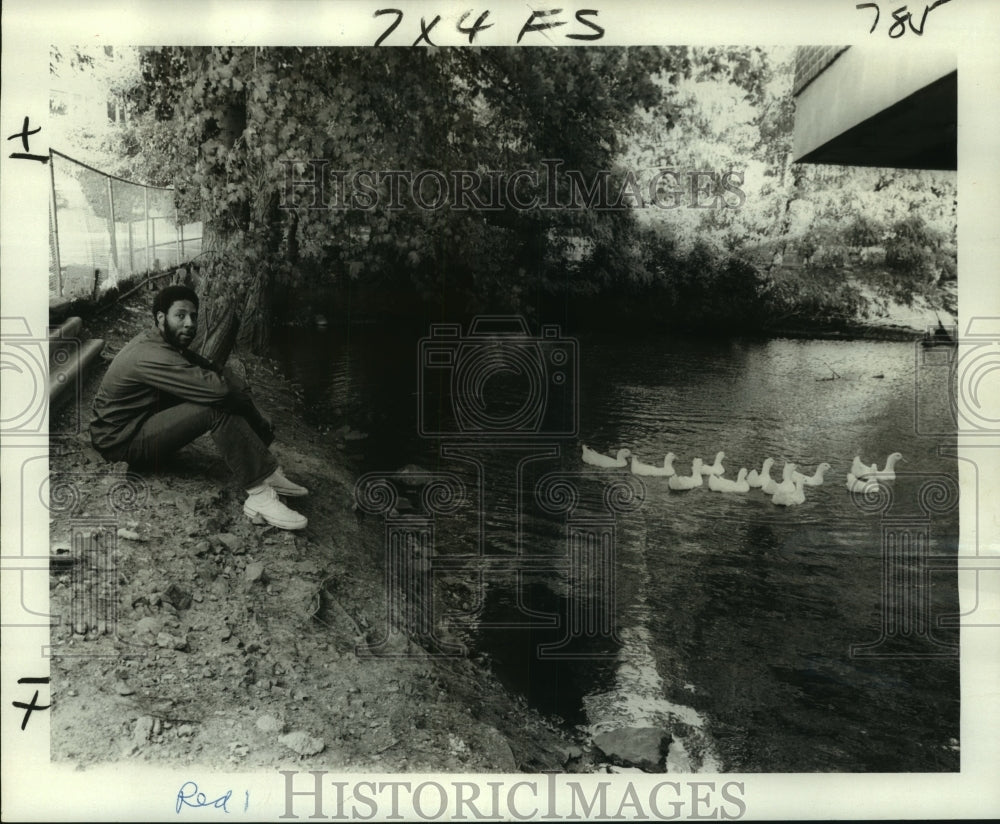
point(236, 296)
point(786, 215)
point(219, 319)
point(221, 299)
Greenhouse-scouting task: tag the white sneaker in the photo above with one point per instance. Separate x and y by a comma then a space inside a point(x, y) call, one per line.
point(280, 484)
point(264, 507)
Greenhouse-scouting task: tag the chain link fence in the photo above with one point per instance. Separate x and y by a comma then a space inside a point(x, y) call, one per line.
point(104, 230)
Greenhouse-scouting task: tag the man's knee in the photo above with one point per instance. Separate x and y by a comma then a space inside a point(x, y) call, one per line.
point(218, 417)
point(228, 421)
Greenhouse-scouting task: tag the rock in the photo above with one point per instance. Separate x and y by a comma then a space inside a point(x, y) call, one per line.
point(185, 730)
point(413, 475)
point(184, 505)
point(130, 535)
point(143, 729)
point(270, 724)
point(177, 597)
point(303, 743)
point(202, 548)
point(207, 569)
point(642, 747)
point(207, 525)
point(678, 760)
point(238, 750)
point(168, 641)
point(124, 689)
point(157, 726)
point(225, 634)
point(148, 628)
point(230, 542)
point(492, 751)
point(254, 572)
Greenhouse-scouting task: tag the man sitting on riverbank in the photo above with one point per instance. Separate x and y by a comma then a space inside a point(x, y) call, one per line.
point(157, 396)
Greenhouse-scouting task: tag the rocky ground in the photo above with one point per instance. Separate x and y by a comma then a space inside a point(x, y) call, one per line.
point(192, 636)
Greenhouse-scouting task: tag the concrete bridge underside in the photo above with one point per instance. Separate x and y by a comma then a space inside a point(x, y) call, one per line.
point(862, 107)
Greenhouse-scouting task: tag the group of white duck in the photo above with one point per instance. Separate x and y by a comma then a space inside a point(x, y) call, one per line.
point(789, 491)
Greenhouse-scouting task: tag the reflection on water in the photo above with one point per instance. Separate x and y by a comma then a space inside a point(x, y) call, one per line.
point(730, 614)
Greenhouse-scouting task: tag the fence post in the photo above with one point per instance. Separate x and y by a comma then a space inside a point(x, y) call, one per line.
point(145, 223)
point(113, 251)
point(131, 251)
point(55, 225)
point(177, 237)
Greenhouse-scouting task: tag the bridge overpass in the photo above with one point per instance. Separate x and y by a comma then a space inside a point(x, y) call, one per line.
point(876, 107)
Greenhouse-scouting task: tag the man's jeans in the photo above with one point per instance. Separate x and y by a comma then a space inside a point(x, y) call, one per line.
point(242, 441)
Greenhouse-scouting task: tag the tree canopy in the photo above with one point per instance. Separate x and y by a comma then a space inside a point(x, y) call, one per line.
point(403, 137)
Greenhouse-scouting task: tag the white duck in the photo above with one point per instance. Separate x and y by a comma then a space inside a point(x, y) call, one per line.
point(597, 459)
point(757, 480)
point(691, 481)
point(717, 484)
point(665, 471)
point(786, 485)
point(794, 497)
point(816, 479)
point(715, 468)
point(889, 472)
point(856, 484)
point(859, 469)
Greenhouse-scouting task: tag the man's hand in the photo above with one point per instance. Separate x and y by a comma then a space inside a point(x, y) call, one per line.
point(235, 381)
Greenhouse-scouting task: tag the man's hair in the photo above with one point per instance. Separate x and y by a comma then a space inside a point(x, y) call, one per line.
point(169, 295)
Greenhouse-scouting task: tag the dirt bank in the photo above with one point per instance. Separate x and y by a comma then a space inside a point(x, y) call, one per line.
point(208, 640)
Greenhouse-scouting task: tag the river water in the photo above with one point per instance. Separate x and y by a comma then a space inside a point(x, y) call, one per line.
point(748, 628)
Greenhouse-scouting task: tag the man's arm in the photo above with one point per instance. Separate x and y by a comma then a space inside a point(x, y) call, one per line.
point(171, 372)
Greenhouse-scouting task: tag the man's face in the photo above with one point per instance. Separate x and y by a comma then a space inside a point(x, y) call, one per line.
point(179, 324)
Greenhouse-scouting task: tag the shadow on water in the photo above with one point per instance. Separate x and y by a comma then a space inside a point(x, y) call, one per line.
point(554, 683)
